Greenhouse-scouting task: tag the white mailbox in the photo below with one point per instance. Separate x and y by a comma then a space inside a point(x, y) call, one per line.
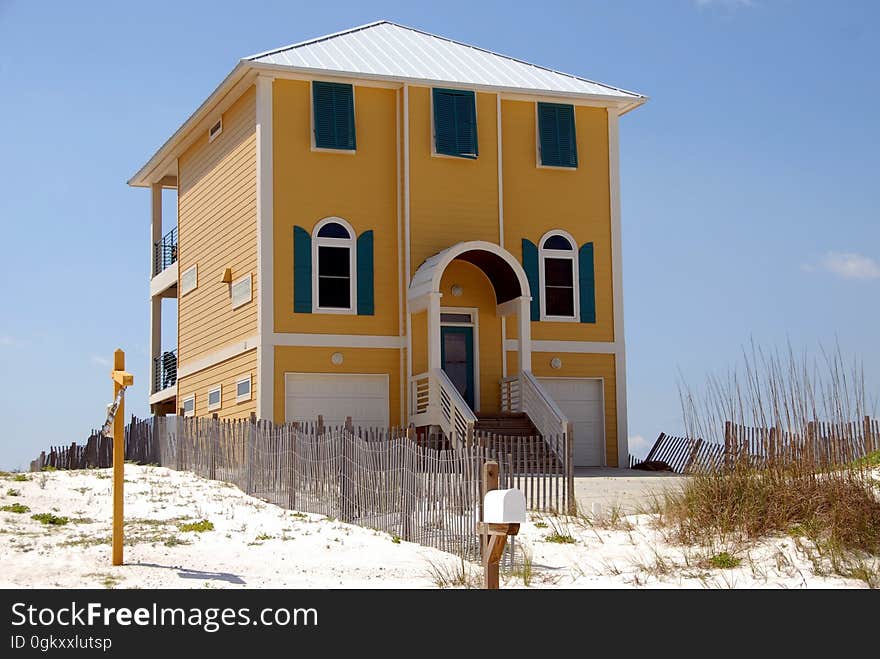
point(504, 507)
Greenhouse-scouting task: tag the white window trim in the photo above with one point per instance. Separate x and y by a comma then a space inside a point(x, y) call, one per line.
point(318, 149)
point(216, 406)
point(474, 313)
point(183, 403)
point(242, 398)
point(195, 269)
point(351, 244)
point(432, 127)
point(538, 162)
point(250, 298)
point(214, 136)
point(559, 254)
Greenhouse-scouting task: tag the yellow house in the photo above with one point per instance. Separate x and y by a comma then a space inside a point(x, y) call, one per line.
point(391, 226)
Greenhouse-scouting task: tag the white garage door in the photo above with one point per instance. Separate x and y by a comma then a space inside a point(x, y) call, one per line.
point(581, 400)
point(336, 396)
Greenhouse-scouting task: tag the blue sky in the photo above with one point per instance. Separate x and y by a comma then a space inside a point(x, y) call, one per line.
point(749, 179)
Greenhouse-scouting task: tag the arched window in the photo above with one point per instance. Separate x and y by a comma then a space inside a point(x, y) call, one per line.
point(334, 275)
point(558, 273)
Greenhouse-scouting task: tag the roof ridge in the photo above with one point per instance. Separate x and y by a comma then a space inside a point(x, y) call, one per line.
point(441, 37)
point(308, 42)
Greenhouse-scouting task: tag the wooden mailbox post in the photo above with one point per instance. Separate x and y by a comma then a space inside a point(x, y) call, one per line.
point(503, 511)
point(121, 380)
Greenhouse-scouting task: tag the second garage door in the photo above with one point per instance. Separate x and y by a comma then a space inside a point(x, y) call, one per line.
point(336, 396)
point(581, 400)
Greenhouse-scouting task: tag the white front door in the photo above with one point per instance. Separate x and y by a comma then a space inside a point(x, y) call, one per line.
point(335, 396)
point(582, 401)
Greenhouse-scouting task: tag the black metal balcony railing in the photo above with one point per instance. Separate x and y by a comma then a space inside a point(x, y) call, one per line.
point(165, 251)
point(164, 370)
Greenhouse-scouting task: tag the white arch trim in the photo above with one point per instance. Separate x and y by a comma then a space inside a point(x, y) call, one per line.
point(334, 220)
point(427, 278)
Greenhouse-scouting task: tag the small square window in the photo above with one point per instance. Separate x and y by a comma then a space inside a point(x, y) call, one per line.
point(242, 292)
point(215, 398)
point(556, 135)
point(333, 115)
point(243, 389)
point(189, 406)
point(455, 123)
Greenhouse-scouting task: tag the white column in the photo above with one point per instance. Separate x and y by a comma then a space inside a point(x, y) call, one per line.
point(617, 286)
point(155, 301)
point(525, 333)
point(265, 267)
point(155, 223)
point(433, 312)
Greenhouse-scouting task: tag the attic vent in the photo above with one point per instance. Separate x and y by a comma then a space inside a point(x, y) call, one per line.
point(216, 129)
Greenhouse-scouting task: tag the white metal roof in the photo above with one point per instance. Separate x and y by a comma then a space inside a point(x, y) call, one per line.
point(388, 50)
point(392, 52)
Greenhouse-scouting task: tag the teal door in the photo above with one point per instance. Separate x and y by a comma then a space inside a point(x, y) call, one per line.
point(457, 358)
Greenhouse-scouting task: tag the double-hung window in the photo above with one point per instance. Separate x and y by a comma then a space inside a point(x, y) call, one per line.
point(559, 277)
point(455, 123)
point(333, 116)
point(334, 282)
point(557, 141)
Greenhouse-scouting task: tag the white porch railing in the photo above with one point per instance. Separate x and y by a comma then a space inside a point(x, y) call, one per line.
point(434, 401)
point(524, 393)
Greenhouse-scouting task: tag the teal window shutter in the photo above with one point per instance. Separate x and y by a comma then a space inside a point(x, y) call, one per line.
point(587, 283)
point(333, 106)
point(365, 298)
point(302, 271)
point(530, 265)
point(557, 135)
point(455, 123)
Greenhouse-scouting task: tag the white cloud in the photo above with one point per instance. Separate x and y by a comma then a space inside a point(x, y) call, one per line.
point(6, 340)
point(850, 266)
point(639, 446)
point(100, 361)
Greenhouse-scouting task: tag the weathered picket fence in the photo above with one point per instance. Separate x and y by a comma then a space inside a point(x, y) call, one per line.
point(820, 443)
point(376, 478)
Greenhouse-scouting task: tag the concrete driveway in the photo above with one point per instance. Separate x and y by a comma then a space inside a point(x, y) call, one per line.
point(630, 490)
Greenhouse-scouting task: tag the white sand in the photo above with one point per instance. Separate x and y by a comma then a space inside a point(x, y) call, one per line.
point(311, 551)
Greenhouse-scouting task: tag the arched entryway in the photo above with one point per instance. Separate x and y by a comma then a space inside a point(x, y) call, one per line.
point(448, 326)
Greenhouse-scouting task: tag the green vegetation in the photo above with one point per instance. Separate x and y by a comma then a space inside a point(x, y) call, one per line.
point(50, 519)
point(724, 561)
point(870, 460)
point(197, 527)
point(395, 539)
point(21, 478)
point(13, 493)
point(15, 508)
point(560, 538)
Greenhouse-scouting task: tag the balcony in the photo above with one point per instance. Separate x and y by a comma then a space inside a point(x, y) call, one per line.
point(164, 280)
point(164, 376)
point(165, 252)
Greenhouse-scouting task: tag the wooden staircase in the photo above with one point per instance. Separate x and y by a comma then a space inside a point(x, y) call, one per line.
point(513, 434)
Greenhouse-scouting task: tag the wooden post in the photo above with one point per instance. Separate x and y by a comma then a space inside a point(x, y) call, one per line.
point(490, 568)
point(569, 469)
point(728, 445)
point(121, 379)
point(869, 441)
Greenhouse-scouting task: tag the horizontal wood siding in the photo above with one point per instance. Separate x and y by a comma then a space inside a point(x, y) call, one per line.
point(217, 226)
point(358, 186)
point(225, 374)
point(538, 199)
point(451, 199)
